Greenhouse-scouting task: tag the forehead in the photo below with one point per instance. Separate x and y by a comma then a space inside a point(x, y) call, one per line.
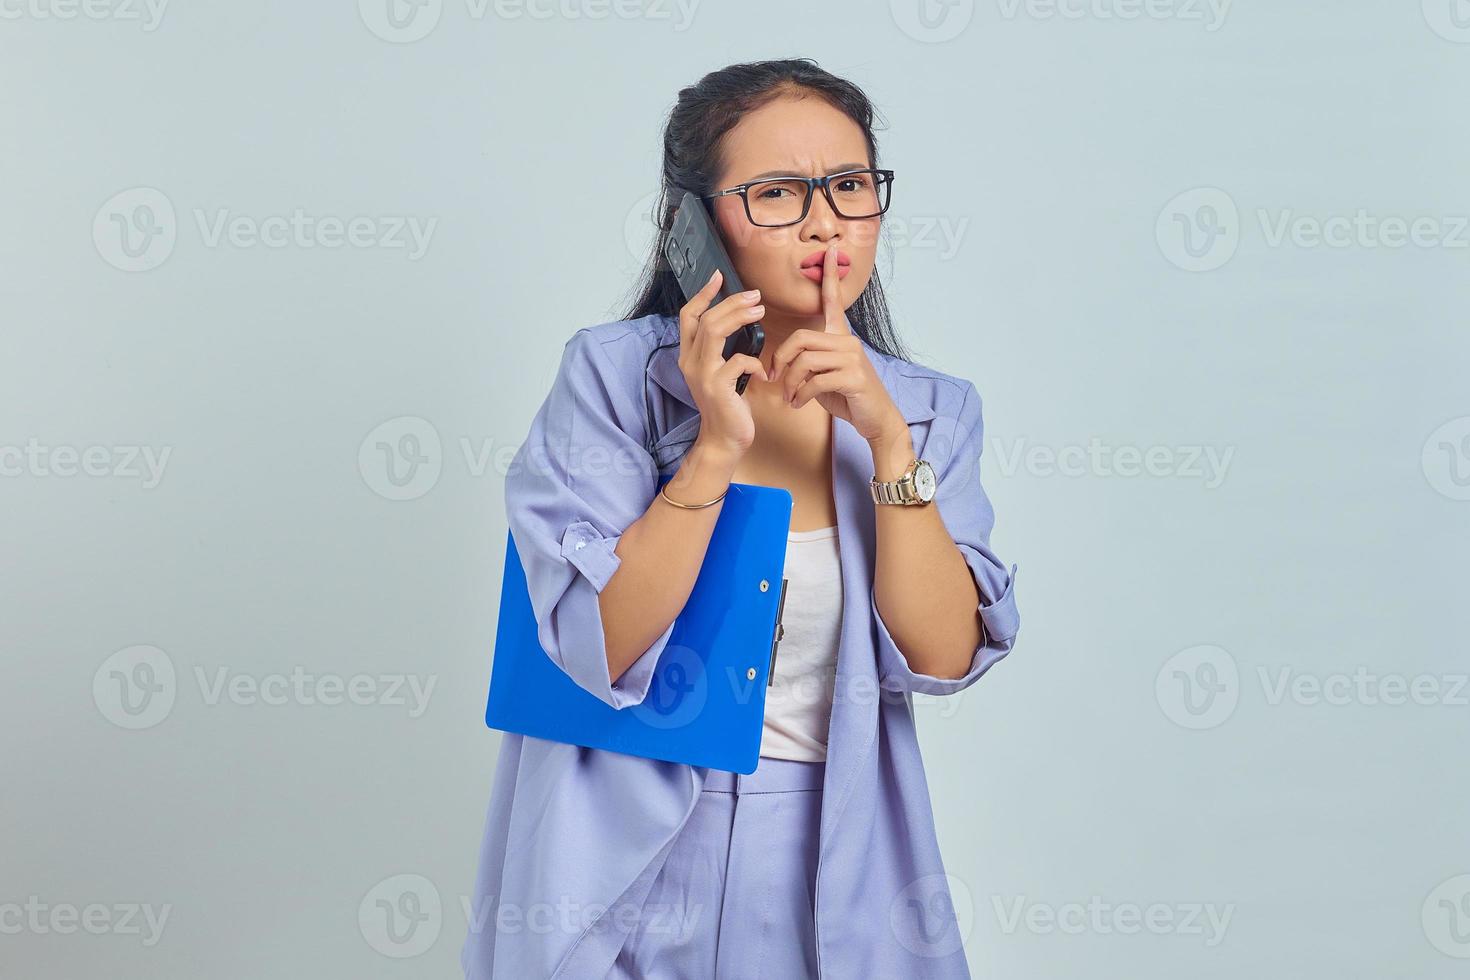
point(803, 135)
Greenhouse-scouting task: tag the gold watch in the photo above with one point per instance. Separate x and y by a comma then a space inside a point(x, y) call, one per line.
point(915, 488)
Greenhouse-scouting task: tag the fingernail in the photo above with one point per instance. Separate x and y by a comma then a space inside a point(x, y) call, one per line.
point(752, 294)
point(757, 310)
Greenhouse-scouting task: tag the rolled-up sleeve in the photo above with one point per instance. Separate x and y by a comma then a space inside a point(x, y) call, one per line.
point(581, 477)
point(968, 515)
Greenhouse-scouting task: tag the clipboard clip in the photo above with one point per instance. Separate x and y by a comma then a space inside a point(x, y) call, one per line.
point(780, 632)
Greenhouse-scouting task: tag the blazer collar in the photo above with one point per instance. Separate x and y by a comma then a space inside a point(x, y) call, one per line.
point(901, 388)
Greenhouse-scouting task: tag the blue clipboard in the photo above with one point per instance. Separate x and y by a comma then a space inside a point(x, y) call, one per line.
point(707, 700)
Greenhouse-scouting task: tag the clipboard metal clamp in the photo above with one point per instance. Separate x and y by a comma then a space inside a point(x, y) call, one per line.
point(780, 632)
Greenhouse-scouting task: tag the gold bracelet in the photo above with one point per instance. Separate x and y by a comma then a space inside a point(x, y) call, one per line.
point(676, 503)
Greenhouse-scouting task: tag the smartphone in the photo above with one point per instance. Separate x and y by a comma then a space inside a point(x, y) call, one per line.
point(694, 251)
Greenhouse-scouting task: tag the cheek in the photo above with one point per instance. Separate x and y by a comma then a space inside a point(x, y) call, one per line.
point(756, 252)
point(855, 282)
point(863, 242)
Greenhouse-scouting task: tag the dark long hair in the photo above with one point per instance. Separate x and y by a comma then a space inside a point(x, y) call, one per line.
point(705, 112)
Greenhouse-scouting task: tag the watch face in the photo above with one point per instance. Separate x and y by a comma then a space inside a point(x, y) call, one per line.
point(924, 484)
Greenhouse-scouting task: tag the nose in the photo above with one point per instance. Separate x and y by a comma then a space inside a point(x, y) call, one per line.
point(822, 223)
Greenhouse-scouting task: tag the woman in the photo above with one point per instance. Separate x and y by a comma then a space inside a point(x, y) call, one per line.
point(824, 861)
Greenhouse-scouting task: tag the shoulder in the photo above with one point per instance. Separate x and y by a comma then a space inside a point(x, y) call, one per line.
point(620, 345)
point(603, 368)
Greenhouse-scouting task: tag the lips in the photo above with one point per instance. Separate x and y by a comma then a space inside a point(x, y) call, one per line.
point(812, 265)
point(816, 259)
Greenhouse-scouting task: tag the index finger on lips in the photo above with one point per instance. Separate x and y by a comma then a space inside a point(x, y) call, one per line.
point(831, 295)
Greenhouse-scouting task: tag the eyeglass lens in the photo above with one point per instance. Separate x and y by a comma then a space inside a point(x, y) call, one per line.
point(861, 194)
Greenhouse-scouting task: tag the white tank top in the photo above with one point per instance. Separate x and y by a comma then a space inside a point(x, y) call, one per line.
point(799, 702)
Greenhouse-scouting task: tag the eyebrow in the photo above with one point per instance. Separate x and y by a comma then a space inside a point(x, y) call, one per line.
point(840, 168)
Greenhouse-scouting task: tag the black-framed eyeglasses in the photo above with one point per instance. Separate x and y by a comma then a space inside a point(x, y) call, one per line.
point(774, 202)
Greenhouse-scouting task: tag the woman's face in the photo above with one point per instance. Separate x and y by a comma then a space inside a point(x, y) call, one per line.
point(805, 137)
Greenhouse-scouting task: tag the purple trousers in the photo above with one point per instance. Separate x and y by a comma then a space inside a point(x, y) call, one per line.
point(734, 897)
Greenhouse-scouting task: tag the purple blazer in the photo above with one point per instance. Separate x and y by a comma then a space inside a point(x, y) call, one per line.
point(570, 830)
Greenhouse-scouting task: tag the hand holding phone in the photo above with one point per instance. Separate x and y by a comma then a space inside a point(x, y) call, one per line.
point(714, 377)
point(695, 251)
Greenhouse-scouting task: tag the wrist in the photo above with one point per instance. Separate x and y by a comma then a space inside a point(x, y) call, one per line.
point(715, 457)
point(705, 473)
point(892, 451)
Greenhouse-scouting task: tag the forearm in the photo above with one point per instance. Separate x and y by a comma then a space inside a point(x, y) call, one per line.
point(922, 584)
point(660, 557)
